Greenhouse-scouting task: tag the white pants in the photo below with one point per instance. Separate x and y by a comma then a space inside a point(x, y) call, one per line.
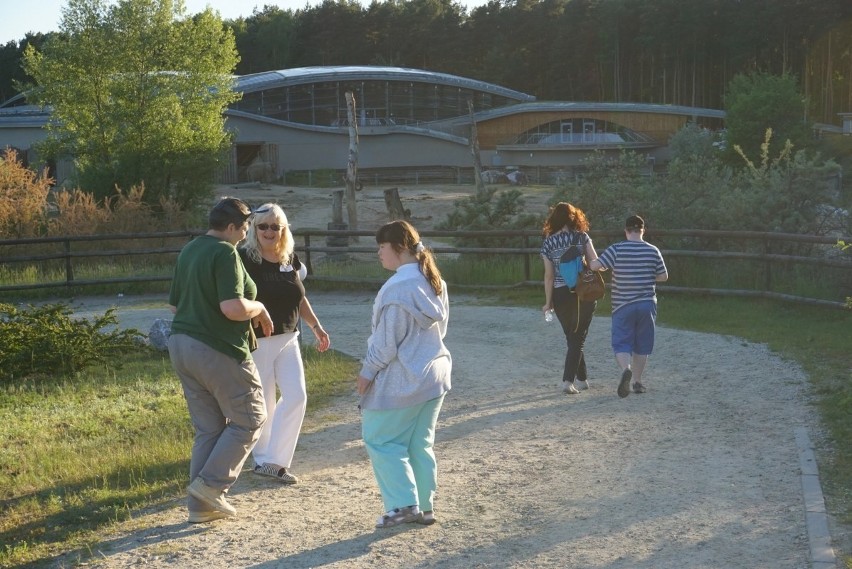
point(279, 362)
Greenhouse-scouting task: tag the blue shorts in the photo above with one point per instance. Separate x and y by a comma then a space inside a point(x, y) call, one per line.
point(633, 328)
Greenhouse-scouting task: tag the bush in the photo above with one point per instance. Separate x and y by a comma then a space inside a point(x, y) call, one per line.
point(45, 340)
point(23, 198)
point(28, 207)
point(490, 210)
point(612, 188)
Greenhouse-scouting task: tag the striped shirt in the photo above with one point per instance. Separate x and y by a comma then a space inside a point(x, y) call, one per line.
point(556, 244)
point(635, 266)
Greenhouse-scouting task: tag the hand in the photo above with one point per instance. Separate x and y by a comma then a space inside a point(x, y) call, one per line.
point(363, 385)
point(546, 307)
point(323, 341)
point(265, 322)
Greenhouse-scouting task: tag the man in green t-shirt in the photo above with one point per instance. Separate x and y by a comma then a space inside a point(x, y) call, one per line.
point(212, 297)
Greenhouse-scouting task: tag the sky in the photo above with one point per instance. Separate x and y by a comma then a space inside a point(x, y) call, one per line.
point(17, 17)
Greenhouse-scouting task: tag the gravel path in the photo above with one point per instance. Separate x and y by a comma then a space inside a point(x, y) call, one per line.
point(702, 471)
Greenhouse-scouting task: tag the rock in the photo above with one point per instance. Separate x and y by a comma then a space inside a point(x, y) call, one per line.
point(159, 334)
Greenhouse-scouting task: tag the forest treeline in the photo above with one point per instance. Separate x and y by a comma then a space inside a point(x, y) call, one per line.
point(650, 51)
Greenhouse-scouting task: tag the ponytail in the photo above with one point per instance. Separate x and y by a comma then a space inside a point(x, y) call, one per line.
point(402, 235)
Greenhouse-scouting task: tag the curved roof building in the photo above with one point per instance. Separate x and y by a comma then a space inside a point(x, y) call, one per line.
point(298, 120)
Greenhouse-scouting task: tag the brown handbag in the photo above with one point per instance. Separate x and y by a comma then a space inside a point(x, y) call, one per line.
point(590, 285)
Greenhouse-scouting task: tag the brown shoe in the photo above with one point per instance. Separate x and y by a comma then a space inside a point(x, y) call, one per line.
point(210, 496)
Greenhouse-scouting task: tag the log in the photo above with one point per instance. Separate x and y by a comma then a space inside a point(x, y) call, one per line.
point(394, 205)
point(337, 206)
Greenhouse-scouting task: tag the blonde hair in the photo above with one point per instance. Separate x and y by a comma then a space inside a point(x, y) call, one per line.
point(269, 213)
point(402, 236)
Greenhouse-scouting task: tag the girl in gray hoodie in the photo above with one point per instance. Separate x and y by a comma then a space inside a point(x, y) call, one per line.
point(405, 375)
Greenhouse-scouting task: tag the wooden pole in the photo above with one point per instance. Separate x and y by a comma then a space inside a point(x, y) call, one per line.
point(352, 165)
point(474, 150)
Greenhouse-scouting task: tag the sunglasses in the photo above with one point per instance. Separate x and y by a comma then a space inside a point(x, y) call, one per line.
point(273, 227)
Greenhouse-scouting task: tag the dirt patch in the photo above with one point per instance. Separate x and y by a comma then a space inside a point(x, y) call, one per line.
point(429, 204)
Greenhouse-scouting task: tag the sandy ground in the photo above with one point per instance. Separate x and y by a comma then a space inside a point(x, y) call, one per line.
point(700, 472)
point(312, 207)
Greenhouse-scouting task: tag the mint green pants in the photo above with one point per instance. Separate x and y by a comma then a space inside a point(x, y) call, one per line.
point(400, 445)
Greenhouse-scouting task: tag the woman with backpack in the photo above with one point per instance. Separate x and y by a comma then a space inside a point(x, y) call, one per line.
point(566, 248)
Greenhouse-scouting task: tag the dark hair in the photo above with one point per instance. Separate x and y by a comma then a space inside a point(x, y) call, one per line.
point(228, 211)
point(564, 214)
point(402, 236)
point(634, 223)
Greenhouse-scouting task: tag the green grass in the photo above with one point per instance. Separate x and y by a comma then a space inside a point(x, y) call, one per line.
point(78, 455)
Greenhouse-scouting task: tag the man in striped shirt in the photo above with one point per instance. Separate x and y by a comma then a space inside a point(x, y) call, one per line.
point(636, 268)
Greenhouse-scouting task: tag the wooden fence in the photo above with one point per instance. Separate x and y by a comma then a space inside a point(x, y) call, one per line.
point(755, 247)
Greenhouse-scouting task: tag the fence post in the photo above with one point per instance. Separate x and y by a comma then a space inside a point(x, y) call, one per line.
point(308, 264)
point(527, 273)
point(69, 269)
point(767, 280)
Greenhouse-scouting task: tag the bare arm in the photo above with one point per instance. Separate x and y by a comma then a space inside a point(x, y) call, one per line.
point(241, 309)
point(662, 278)
point(549, 278)
point(306, 311)
point(591, 254)
point(596, 265)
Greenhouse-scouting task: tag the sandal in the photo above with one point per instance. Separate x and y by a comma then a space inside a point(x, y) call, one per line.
point(398, 516)
point(427, 518)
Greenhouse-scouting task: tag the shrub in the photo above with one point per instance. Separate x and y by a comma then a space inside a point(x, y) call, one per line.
point(79, 213)
point(490, 210)
point(23, 198)
point(611, 188)
point(45, 340)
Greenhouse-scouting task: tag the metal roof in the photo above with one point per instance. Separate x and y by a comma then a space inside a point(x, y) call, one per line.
point(24, 116)
point(306, 75)
point(540, 106)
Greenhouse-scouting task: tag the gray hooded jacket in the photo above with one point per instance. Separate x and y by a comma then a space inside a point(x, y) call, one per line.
point(406, 358)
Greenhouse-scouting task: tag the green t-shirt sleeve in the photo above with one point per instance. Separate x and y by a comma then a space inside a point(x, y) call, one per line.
point(229, 275)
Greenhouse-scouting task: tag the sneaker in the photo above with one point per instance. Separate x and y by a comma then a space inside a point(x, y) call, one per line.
point(210, 496)
point(398, 516)
point(569, 388)
point(278, 472)
point(426, 518)
point(200, 517)
point(583, 383)
point(639, 388)
point(624, 384)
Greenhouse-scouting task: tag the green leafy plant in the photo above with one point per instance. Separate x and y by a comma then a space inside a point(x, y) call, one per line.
point(45, 340)
point(490, 209)
point(611, 188)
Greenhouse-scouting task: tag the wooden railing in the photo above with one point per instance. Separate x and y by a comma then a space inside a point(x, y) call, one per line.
point(335, 242)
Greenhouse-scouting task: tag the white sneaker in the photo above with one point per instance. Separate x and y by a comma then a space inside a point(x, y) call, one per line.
point(583, 383)
point(569, 388)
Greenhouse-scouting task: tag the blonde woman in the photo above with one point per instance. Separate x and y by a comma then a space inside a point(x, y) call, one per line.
point(270, 261)
point(405, 376)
